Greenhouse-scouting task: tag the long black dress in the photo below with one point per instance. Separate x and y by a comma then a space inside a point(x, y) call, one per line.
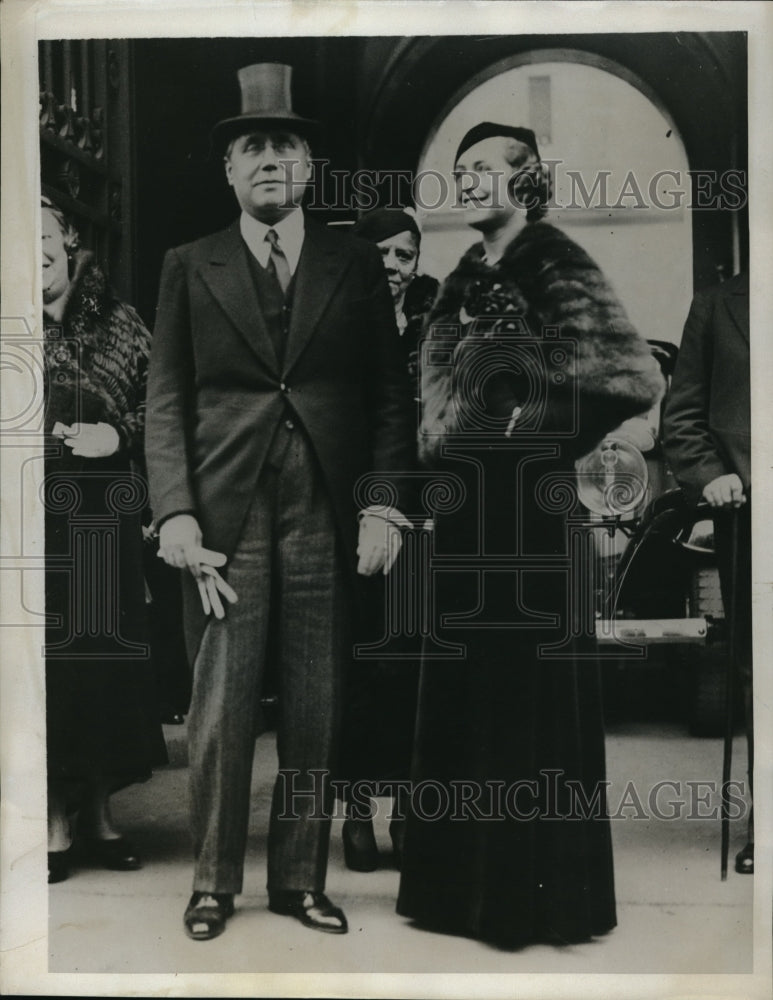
point(101, 706)
point(507, 838)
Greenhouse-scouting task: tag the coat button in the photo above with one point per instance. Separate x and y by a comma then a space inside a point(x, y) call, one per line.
point(283, 387)
point(289, 425)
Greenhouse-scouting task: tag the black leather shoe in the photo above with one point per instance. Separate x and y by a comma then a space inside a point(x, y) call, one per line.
point(397, 835)
point(744, 860)
point(58, 866)
point(206, 914)
point(360, 850)
point(313, 909)
point(117, 854)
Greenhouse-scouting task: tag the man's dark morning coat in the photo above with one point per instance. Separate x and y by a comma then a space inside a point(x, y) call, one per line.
point(707, 421)
point(216, 392)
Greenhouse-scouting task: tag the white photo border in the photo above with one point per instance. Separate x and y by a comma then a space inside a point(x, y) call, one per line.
point(23, 904)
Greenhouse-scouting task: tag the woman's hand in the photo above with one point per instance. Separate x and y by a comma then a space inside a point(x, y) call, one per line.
point(91, 440)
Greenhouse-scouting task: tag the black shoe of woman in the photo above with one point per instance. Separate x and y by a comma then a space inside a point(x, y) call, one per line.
point(173, 719)
point(58, 866)
point(117, 854)
point(360, 850)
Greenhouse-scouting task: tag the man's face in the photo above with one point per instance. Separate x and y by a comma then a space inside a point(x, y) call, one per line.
point(400, 254)
point(268, 172)
point(482, 173)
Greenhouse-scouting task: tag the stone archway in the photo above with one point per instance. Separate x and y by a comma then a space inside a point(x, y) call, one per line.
point(698, 78)
point(621, 186)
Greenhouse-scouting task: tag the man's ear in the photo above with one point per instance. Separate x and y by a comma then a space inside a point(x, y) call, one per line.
point(227, 165)
point(309, 161)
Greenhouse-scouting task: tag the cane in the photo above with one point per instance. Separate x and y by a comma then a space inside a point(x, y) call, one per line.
point(727, 756)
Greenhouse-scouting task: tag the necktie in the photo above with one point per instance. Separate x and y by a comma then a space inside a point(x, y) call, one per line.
point(278, 260)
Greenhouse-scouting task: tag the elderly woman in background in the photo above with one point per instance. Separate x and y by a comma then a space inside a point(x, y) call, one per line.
point(380, 707)
point(507, 838)
point(397, 235)
point(101, 719)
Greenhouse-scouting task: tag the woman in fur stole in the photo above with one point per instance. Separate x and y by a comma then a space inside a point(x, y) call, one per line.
point(528, 361)
point(102, 729)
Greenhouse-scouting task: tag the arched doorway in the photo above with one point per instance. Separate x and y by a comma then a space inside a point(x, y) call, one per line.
point(699, 78)
point(620, 170)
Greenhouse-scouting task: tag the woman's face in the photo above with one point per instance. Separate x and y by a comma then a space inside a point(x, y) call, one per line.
point(55, 274)
point(400, 254)
point(482, 174)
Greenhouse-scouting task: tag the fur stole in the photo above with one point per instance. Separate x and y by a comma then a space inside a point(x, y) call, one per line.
point(544, 286)
point(420, 295)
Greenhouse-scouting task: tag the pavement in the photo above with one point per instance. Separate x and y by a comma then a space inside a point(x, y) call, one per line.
point(675, 915)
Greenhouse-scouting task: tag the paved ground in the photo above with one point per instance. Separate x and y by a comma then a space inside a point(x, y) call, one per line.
point(674, 913)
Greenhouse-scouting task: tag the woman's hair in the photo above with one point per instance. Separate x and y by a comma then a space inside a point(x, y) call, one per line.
point(65, 223)
point(530, 184)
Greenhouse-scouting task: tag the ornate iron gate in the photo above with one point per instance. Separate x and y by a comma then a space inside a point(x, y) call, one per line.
point(87, 146)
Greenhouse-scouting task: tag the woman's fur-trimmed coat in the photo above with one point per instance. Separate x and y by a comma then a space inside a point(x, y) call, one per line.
point(97, 359)
point(477, 369)
point(101, 708)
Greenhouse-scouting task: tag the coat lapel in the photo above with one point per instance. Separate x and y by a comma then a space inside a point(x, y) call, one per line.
point(737, 302)
point(227, 275)
point(321, 267)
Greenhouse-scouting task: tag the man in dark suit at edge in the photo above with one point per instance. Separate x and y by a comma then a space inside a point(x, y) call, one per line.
point(707, 438)
point(275, 384)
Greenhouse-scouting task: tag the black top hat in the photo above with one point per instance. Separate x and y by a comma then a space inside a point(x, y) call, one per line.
point(266, 103)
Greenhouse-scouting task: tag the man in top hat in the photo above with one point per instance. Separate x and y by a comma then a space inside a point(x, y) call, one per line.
point(275, 384)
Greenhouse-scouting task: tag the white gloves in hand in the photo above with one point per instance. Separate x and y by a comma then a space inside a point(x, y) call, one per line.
point(211, 585)
point(180, 546)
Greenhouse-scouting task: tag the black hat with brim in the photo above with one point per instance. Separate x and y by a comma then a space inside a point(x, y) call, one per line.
point(384, 223)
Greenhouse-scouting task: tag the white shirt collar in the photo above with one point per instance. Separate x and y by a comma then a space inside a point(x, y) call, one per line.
point(290, 231)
